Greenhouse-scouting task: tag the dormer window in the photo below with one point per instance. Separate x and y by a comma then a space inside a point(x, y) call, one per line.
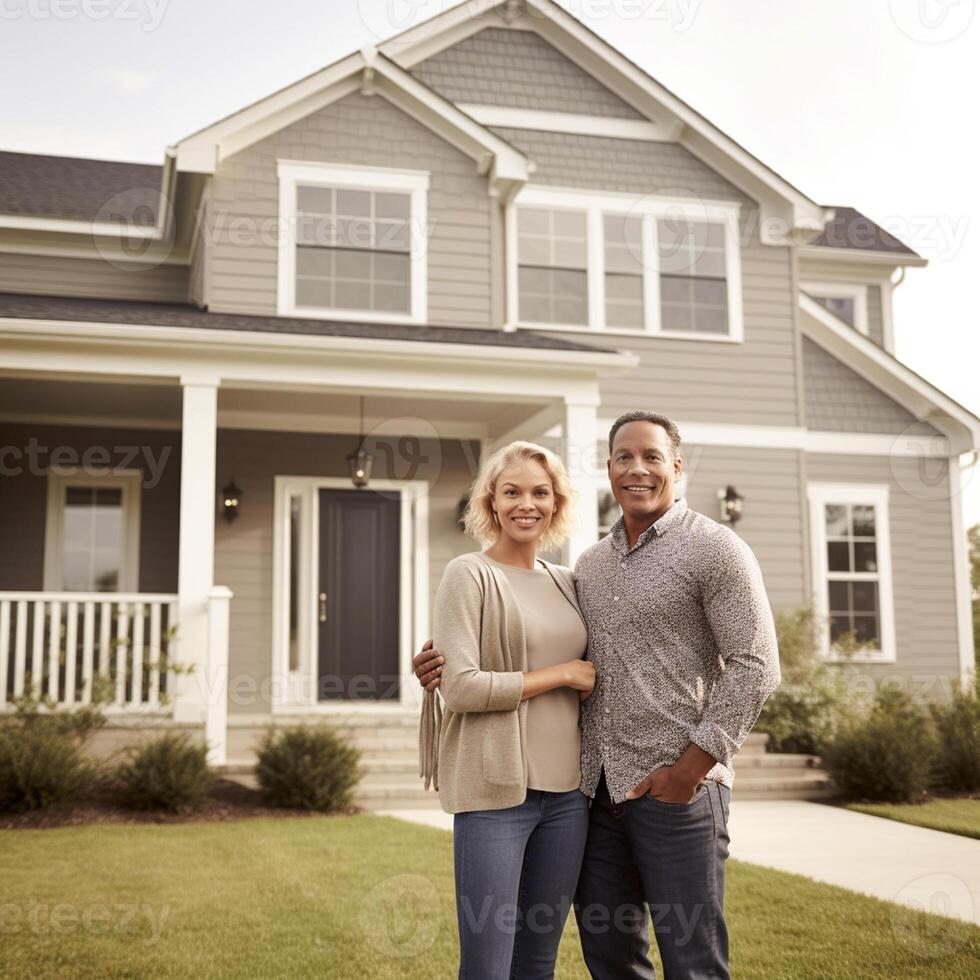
point(847, 301)
point(352, 242)
point(587, 261)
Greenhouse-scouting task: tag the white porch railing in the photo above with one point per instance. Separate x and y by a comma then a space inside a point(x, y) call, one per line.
point(57, 643)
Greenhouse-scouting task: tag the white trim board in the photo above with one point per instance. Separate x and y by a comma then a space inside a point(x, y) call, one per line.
point(961, 574)
point(801, 439)
point(818, 495)
point(567, 122)
point(294, 688)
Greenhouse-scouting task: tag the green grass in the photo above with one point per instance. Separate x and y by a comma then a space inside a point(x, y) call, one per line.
point(955, 816)
point(371, 897)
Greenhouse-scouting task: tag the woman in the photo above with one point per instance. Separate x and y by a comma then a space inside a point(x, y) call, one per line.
point(505, 756)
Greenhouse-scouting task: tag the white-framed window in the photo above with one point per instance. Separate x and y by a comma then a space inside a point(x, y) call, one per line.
point(852, 573)
point(581, 260)
point(352, 242)
point(847, 301)
point(92, 531)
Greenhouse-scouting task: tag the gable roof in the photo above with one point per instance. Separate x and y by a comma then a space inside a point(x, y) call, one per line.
point(782, 204)
point(888, 374)
point(371, 73)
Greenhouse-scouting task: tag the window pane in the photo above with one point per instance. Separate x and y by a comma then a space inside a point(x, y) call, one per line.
point(866, 628)
point(865, 556)
point(553, 296)
point(863, 520)
point(836, 518)
point(838, 556)
point(314, 292)
point(839, 625)
point(533, 221)
point(93, 539)
point(395, 206)
point(295, 503)
point(318, 199)
point(352, 295)
point(865, 596)
point(353, 203)
point(569, 224)
point(842, 307)
point(840, 597)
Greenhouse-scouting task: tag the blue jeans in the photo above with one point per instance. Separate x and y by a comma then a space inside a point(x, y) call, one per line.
point(669, 857)
point(516, 872)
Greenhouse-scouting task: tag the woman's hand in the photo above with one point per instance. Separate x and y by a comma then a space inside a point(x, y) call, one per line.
point(580, 675)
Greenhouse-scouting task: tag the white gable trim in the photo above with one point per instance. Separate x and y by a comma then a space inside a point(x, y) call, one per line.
point(567, 122)
point(369, 72)
point(787, 213)
point(900, 383)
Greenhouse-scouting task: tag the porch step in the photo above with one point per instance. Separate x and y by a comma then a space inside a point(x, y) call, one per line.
point(794, 785)
point(775, 760)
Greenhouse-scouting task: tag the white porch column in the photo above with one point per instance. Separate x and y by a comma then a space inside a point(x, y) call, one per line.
point(195, 568)
point(581, 461)
point(216, 722)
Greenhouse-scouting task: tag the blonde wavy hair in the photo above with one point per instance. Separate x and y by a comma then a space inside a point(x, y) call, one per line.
point(479, 520)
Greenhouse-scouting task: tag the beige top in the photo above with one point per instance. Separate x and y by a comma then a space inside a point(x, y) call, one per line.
point(554, 633)
point(473, 752)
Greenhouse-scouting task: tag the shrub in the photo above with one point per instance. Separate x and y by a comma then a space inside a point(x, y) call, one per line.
point(40, 766)
point(308, 768)
point(169, 773)
point(885, 755)
point(813, 698)
point(957, 767)
point(41, 756)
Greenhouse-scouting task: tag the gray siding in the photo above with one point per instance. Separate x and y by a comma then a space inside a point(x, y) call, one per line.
point(700, 381)
point(773, 524)
point(498, 66)
point(355, 130)
point(24, 495)
point(51, 275)
point(876, 327)
point(840, 400)
point(243, 550)
point(922, 560)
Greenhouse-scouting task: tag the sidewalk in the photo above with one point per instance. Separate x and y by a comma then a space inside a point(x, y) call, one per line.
point(926, 869)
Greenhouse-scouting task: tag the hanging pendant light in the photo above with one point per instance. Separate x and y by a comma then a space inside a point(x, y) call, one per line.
point(360, 461)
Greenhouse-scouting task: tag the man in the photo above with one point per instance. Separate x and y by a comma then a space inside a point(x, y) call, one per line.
point(684, 646)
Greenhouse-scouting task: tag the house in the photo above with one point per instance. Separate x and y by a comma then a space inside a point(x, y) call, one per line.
point(491, 226)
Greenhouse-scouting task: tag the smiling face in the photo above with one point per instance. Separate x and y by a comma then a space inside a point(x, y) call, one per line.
point(642, 471)
point(524, 501)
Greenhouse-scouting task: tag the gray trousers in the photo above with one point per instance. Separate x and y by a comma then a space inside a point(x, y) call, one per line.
point(670, 858)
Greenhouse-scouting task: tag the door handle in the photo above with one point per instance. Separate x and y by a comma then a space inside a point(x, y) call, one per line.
point(323, 607)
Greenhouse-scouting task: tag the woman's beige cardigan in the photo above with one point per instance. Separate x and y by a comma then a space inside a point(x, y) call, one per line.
point(474, 753)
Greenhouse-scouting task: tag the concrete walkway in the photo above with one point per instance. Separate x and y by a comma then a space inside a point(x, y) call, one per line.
point(924, 869)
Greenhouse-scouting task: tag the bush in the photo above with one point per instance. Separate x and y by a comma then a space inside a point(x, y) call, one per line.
point(41, 757)
point(886, 755)
point(308, 768)
point(813, 699)
point(40, 766)
point(957, 767)
point(168, 773)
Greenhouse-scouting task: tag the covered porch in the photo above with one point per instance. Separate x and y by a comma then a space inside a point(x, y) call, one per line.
point(122, 564)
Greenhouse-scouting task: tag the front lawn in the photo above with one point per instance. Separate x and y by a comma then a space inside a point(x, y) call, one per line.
point(955, 816)
point(371, 897)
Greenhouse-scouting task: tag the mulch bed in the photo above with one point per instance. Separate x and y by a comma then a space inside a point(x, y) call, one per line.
point(226, 801)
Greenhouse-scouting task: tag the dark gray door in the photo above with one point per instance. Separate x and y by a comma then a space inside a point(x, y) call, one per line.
point(357, 599)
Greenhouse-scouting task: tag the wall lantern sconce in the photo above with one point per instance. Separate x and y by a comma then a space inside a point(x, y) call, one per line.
point(731, 505)
point(360, 460)
point(230, 498)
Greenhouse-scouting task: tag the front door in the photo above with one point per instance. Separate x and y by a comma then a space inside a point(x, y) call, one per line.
point(358, 595)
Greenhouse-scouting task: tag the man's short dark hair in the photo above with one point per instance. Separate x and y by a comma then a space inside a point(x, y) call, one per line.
point(668, 425)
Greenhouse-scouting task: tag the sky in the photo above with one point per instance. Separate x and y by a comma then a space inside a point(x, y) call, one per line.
point(870, 104)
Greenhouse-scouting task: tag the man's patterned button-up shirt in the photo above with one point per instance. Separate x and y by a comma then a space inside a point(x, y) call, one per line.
point(684, 646)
